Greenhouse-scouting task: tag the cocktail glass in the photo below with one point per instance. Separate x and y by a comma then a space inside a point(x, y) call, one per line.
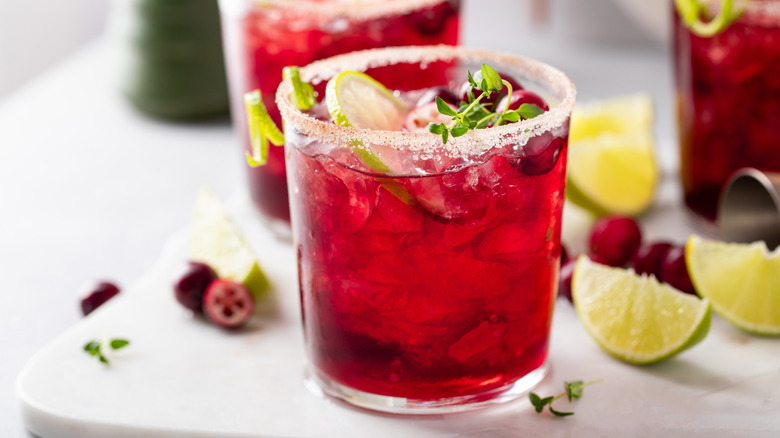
point(430, 288)
point(728, 102)
point(261, 37)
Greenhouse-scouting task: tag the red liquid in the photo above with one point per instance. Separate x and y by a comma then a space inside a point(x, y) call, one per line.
point(449, 296)
point(728, 97)
point(261, 43)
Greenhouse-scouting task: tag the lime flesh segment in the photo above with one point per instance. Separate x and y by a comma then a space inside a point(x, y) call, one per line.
point(636, 318)
point(741, 280)
point(217, 242)
point(357, 100)
point(614, 173)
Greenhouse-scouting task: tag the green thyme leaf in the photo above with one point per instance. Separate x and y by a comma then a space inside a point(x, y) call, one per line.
point(529, 111)
point(92, 346)
point(445, 136)
point(573, 389)
point(491, 81)
point(537, 402)
point(116, 344)
point(559, 413)
point(444, 108)
point(459, 130)
point(436, 128)
point(511, 116)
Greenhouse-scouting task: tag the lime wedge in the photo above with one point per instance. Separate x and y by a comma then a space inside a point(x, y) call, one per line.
point(611, 167)
point(636, 318)
point(357, 100)
point(217, 242)
point(616, 115)
point(741, 280)
point(261, 129)
point(613, 173)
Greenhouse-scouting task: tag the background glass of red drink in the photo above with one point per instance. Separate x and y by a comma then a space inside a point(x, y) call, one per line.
point(431, 289)
point(728, 102)
point(262, 37)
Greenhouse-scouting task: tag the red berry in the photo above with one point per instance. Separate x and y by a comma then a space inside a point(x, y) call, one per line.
point(648, 258)
point(564, 254)
point(97, 296)
point(432, 93)
point(191, 284)
point(520, 97)
point(674, 271)
point(228, 303)
point(615, 239)
point(564, 279)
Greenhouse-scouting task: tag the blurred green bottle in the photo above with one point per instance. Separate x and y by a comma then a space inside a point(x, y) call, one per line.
point(175, 68)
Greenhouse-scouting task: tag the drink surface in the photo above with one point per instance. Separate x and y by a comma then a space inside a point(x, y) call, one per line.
point(728, 97)
point(428, 286)
point(262, 42)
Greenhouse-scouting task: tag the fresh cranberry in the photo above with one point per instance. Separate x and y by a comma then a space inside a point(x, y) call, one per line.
point(648, 258)
point(228, 303)
point(674, 271)
point(520, 97)
point(431, 21)
point(432, 93)
point(615, 239)
point(464, 88)
point(540, 156)
point(97, 296)
point(190, 284)
point(564, 278)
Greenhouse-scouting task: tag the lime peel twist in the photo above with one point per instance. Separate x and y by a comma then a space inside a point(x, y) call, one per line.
point(262, 129)
point(691, 12)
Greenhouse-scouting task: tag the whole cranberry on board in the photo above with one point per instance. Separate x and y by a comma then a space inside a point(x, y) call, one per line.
point(615, 239)
point(190, 284)
point(97, 295)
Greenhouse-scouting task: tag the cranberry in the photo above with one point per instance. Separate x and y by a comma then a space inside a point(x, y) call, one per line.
point(228, 303)
point(648, 258)
point(520, 97)
point(191, 282)
point(674, 271)
point(97, 296)
point(432, 93)
point(464, 88)
point(564, 254)
point(539, 160)
point(564, 278)
point(431, 21)
point(615, 239)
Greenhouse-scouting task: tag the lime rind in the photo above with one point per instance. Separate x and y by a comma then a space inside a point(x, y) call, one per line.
point(691, 11)
point(262, 129)
point(741, 280)
point(635, 318)
point(357, 100)
point(217, 241)
point(302, 96)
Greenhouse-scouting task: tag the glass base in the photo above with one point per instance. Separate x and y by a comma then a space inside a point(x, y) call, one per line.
point(321, 386)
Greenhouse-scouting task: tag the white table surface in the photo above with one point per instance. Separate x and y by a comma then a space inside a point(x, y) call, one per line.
point(91, 189)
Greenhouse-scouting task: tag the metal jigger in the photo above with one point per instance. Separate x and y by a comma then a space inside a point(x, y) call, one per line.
point(749, 208)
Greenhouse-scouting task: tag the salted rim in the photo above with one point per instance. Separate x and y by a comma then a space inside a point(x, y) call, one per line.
point(357, 9)
point(473, 142)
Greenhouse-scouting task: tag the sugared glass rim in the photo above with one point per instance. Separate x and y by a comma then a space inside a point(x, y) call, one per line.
point(472, 143)
point(355, 9)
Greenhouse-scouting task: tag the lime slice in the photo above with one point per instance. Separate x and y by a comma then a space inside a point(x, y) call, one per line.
point(217, 242)
point(617, 115)
point(691, 12)
point(261, 129)
point(741, 280)
point(612, 173)
point(357, 100)
point(636, 318)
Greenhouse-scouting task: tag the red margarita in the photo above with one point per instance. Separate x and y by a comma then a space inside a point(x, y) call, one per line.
point(262, 37)
point(728, 102)
point(429, 286)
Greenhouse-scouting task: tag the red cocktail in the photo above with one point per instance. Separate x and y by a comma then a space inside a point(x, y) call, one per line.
point(262, 37)
point(728, 101)
point(430, 285)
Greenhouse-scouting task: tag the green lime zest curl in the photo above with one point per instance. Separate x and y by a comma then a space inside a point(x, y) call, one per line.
point(262, 129)
point(691, 12)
